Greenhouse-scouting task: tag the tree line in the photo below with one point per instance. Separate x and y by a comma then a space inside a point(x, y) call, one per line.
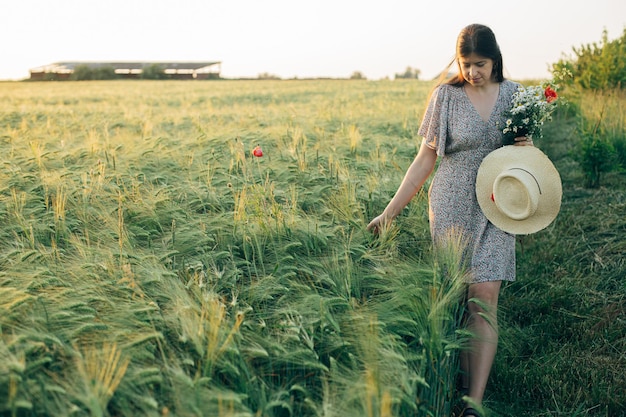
point(86, 73)
point(597, 66)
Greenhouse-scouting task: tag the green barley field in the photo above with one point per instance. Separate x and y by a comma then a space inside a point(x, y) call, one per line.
point(151, 265)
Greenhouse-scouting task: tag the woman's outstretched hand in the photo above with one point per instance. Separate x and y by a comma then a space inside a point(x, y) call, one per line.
point(523, 141)
point(378, 223)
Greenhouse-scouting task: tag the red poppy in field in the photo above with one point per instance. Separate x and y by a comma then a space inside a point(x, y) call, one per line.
point(258, 152)
point(550, 94)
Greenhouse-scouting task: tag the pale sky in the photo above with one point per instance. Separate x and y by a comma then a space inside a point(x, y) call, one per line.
point(291, 38)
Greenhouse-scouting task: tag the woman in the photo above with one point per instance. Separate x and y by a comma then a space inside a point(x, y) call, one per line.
point(462, 124)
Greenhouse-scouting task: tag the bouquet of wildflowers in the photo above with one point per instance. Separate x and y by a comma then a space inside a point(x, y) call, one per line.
point(530, 108)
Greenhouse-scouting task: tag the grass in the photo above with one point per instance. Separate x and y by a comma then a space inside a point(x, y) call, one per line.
point(150, 265)
point(564, 342)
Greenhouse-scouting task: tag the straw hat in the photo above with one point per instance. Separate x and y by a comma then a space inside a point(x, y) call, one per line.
point(518, 189)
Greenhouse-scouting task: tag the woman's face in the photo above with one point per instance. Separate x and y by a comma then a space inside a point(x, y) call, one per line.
point(477, 70)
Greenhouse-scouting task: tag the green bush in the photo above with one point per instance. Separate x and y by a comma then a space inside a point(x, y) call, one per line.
point(84, 72)
point(619, 144)
point(104, 73)
point(597, 66)
point(153, 72)
point(409, 74)
point(596, 156)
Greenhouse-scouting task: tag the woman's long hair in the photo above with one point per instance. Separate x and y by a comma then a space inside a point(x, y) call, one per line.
point(475, 39)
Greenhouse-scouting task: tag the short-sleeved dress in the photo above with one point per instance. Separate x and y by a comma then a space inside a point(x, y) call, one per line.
point(453, 127)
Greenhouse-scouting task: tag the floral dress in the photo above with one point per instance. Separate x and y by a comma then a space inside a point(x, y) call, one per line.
point(456, 131)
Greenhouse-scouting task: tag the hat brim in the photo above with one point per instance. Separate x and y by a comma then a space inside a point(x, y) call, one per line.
point(529, 158)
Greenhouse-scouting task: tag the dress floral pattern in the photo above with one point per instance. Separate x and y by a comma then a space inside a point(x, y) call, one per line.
point(462, 138)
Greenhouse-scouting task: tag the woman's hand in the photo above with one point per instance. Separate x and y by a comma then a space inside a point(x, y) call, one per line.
point(523, 141)
point(421, 167)
point(378, 223)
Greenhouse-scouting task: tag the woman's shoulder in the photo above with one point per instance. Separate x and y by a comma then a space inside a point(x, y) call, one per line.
point(448, 87)
point(446, 91)
point(510, 86)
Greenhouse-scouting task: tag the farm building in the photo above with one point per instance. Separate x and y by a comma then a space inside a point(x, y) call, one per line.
point(173, 70)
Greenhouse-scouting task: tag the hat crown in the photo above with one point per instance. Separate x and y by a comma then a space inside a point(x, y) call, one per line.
point(518, 189)
point(516, 193)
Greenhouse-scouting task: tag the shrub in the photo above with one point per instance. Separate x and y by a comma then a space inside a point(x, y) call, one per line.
point(268, 76)
point(409, 73)
point(104, 73)
point(357, 75)
point(84, 72)
point(596, 156)
point(619, 144)
point(597, 66)
point(153, 72)
point(601, 133)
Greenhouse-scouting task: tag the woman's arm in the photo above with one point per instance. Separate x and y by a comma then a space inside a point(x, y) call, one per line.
point(420, 169)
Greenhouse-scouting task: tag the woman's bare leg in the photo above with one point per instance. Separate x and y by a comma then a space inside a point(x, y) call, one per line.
point(483, 324)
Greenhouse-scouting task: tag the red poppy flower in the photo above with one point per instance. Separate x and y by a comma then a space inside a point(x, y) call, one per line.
point(550, 94)
point(258, 152)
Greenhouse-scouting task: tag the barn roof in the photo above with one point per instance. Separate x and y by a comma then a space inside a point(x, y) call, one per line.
point(121, 66)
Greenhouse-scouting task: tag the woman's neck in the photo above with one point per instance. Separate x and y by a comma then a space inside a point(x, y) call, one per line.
point(485, 89)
